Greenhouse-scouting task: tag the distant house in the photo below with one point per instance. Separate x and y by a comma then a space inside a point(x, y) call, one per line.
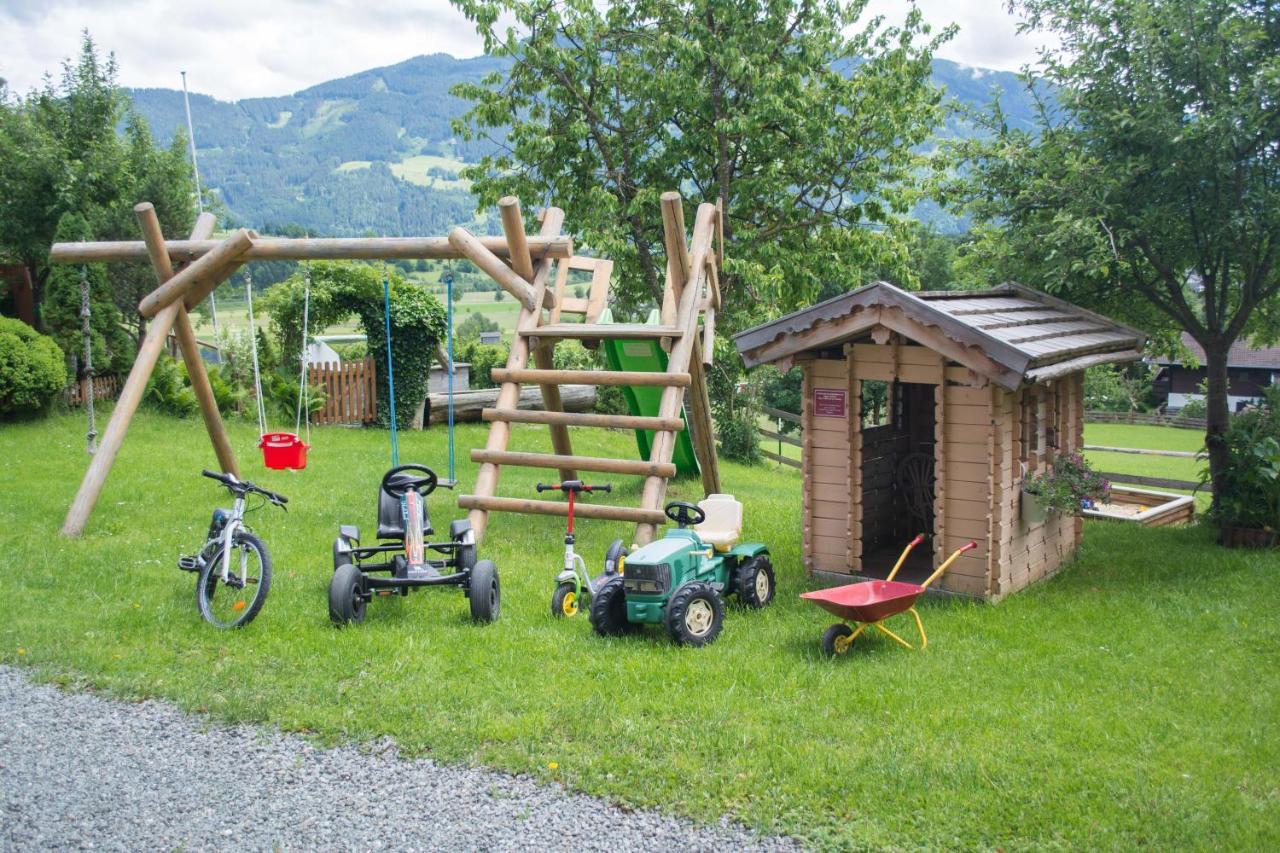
point(1249, 371)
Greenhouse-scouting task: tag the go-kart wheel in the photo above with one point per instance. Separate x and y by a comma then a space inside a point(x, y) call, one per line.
point(695, 614)
point(609, 610)
point(755, 583)
point(613, 557)
point(346, 595)
point(484, 592)
point(564, 601)
point(837, 639)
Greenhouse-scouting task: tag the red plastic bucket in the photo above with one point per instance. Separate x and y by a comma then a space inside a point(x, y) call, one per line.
point(283, 450)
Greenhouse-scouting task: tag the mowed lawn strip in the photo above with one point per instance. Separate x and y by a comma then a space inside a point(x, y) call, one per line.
point(1131, 700)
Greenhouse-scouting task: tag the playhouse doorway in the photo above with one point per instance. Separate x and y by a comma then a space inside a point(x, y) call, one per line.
point(898, 438)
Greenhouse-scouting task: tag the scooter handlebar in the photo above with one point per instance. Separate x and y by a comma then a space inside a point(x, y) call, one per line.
point(573, 486)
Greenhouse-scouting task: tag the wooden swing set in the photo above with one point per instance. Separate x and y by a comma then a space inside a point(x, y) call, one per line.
point(188, 271)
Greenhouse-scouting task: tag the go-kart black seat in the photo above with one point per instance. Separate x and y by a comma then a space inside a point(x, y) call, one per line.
point(390, 518)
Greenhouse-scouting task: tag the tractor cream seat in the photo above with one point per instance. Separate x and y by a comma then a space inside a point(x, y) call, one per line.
point(723, 524)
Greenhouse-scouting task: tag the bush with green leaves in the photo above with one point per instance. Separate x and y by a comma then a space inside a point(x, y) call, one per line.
point(734, 404)
point(340, 289)
point(169, 391)
point(482, 358)
point(782, 391)
point(471, 328)
point(33, 370)
point(1248, 494)
point(572, 355)
point(1068, 485)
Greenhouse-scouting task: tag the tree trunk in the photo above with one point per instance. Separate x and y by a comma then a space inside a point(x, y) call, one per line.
point(1217, 411)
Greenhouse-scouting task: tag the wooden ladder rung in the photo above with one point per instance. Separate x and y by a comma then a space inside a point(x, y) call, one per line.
point(580, 463)
point(589, 377)
point(521, 416)
point(603, 331)
point(580, 510)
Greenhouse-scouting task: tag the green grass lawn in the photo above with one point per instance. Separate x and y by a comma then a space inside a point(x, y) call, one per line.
point(1133, 700)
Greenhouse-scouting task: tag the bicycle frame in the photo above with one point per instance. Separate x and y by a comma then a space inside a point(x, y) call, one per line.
point(234, 524)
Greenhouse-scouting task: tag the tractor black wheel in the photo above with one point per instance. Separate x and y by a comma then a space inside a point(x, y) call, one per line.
point(613, 556)
point(754, 582)
point(485, 592)
point(609, 610)
point(565, 601)
point(695, 614)
point(346, 595)
point(836, 640)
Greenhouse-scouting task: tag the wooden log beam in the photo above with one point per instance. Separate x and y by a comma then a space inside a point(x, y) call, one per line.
point(585, 463)
point(489, 263)
point(520, 416)
point(312, 249)
point(591, 377)
point(186, 335)
point(580, 510)
point(228, 252)
point(677, 259)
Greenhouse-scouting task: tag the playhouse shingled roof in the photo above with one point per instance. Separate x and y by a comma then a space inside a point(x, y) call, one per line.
point(1010, 334)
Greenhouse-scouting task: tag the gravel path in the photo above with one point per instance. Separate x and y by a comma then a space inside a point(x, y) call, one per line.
point(81, 771)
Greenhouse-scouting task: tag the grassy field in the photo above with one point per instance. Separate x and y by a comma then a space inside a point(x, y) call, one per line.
point(1133, 700)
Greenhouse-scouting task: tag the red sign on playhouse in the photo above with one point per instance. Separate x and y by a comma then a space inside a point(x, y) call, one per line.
point(830, 403)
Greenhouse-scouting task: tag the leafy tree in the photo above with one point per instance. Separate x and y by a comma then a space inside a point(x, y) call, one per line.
point(474, 325)
point(801, 119)
point(61, 153)
point(340, 289)
point(1149, 188)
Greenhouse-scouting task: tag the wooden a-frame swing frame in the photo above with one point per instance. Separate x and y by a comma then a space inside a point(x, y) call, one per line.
point(187, 271)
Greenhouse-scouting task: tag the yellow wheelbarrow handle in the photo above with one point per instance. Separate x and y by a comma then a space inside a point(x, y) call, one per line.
point(947, 563)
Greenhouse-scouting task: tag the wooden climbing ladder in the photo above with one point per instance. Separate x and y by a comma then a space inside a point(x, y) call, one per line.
point(691, 293)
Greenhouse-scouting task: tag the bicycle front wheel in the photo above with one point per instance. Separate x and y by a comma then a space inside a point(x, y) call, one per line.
point(234, 602)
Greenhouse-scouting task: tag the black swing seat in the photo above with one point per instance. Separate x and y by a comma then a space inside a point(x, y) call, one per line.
point(390, 519)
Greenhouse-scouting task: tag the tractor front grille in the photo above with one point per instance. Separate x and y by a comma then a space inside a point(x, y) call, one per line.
point(646, 580)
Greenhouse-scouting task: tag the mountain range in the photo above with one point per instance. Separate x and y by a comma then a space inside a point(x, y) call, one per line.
point(374, 152)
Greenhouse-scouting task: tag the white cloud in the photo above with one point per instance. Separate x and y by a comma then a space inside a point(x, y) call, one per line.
point(248, 48)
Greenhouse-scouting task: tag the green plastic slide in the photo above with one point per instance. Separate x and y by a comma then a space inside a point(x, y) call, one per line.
point(640, 357)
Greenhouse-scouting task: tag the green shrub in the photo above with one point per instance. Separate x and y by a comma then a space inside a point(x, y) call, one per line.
point(1248, 494)
point(734, 404)
point(482, 358)
point(782, 391)
point(1070, 484)
point(351, 350)
point(168, 392)
point(471, 328)
point(33, 370)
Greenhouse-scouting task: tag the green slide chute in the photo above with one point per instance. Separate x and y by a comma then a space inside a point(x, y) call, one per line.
point(639, 357)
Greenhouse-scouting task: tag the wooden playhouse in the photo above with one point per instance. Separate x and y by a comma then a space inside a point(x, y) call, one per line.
point(923, 412)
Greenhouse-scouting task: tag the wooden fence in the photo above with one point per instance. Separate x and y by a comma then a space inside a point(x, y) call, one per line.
point(350, 392)
point(104, 388)
point(778, 414)
point(1147, 418)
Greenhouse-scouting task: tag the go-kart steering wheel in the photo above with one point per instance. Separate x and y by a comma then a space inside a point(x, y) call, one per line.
point(396, 485)
point(685, 514)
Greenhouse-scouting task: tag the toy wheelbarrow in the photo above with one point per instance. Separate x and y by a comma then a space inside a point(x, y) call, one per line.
point(871, 602)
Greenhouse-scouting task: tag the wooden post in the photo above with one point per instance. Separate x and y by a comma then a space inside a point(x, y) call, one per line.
point(509, 393)
point(126, 405)
point(229, 251)
point(677, 259)
point(543, 355)
point(473, 250)
point(655, 488)
point(186, 335)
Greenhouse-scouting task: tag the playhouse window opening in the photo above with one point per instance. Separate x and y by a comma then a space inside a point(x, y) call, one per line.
point(877, 403)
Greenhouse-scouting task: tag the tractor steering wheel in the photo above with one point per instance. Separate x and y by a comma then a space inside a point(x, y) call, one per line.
point(396, 484)
point(685, 514)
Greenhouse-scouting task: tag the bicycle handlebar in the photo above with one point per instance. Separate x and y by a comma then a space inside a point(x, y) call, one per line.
point(574, 486)
point(245, 487)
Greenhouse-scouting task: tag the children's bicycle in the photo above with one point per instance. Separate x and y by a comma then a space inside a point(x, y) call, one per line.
point(574, 586)
point(233, 566)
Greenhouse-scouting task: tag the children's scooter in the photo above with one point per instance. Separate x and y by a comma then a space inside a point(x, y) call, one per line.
point(574, 586)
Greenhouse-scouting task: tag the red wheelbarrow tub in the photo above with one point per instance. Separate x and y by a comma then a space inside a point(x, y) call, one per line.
point(867, 601)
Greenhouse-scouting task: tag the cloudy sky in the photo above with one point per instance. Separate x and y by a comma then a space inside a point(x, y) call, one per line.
point(249, 48)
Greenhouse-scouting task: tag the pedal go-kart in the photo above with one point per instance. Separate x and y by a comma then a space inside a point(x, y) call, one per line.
point(681, 580)
point(403, 525)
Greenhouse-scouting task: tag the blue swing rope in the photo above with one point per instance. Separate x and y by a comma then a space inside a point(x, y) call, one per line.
point(391, 379)
point(448, 301)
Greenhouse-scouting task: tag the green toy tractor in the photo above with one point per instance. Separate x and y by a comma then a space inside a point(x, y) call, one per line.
point(681, 580)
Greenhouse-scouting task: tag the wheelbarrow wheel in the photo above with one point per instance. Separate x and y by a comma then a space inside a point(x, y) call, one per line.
point(836, 640)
